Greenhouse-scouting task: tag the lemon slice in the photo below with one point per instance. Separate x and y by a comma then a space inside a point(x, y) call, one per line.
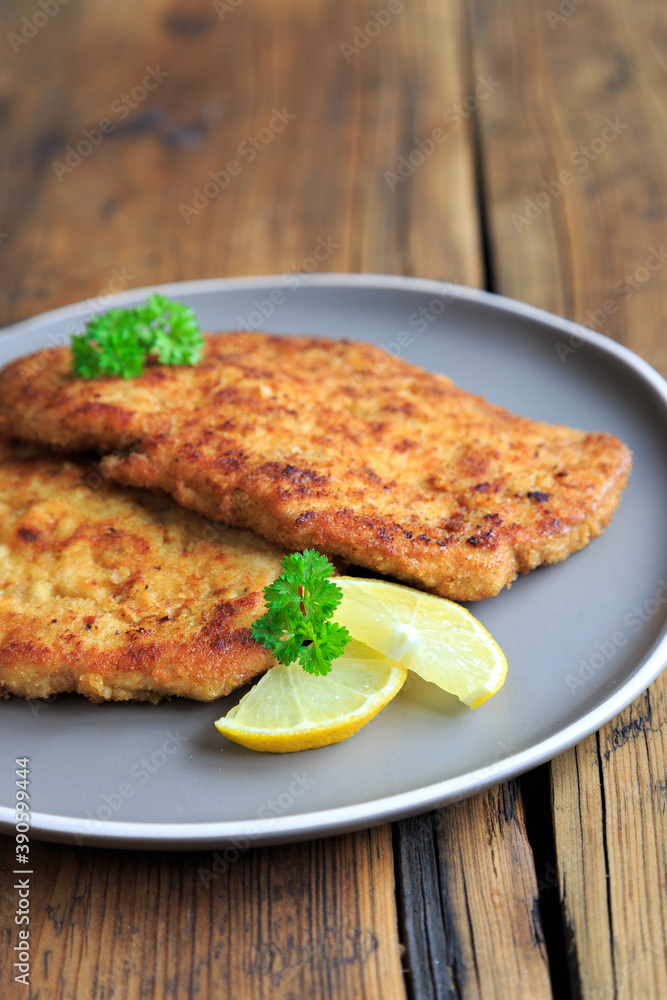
point(289, 709)
point(439, 640)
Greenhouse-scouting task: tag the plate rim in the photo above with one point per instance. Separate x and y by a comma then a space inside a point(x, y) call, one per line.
point(341, 819)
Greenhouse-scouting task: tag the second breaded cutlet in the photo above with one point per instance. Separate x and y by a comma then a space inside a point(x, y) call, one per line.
point(118, 594)
point(337, 445)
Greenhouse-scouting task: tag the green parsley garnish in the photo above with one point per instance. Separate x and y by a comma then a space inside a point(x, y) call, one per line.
point(120, 341)
point(297, 625)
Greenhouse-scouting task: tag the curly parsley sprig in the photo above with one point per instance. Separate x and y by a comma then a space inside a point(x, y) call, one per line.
point(297, 625)
point(121, 340)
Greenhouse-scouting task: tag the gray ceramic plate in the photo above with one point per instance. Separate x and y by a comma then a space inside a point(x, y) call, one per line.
point(582, 638)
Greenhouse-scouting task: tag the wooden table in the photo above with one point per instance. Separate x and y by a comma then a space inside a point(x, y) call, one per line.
point(550, 885)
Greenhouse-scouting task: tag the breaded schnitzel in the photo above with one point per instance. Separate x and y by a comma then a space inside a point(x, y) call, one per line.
point(339, 446)
point(118, 594)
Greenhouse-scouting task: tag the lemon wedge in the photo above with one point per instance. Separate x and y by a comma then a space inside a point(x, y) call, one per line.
point(438, 639)
point(289, 709)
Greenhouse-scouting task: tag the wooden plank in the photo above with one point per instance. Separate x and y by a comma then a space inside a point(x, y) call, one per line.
point(634, 767)
point(309, 920)
point(611, 835)
point(584, 97)
point(129, 207)
point(579, 820)
point(468, 902)
point(584, 93)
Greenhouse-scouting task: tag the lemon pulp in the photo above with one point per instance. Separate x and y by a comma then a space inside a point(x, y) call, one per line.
point(289, 709)
point(438, 639)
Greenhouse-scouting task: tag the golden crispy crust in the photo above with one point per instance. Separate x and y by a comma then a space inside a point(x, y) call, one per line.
point(337, 445)
point(118, 594)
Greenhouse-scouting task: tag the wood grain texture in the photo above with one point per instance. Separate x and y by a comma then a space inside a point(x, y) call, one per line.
point(135, 204)
point(308, 921)
point(468, 896)
point(611, 835)
point(592, 252)
point(579, 820)
point(585, 95)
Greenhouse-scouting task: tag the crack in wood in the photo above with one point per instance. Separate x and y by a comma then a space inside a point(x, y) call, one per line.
point(546, 911)
point(605, 847)
point(425, 919)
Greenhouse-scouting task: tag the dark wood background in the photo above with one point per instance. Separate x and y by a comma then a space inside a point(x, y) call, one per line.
point(551, 885)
